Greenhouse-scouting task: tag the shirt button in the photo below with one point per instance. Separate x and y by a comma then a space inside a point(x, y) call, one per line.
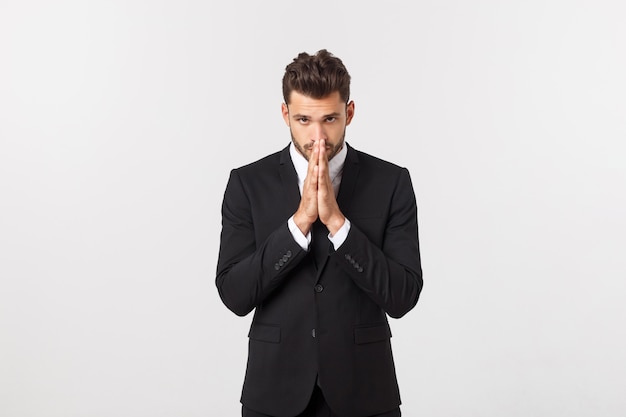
point(319, 288)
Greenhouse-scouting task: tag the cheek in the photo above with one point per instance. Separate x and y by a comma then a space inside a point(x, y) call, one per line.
point(300, 132)
point(336, 132)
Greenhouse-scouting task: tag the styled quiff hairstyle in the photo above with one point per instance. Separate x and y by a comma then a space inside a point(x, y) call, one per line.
point(316, 76)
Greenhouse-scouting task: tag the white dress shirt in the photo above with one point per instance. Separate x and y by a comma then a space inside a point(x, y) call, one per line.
point(335, 170)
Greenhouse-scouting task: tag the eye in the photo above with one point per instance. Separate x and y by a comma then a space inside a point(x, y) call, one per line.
point(330, 119)
point(303, 120)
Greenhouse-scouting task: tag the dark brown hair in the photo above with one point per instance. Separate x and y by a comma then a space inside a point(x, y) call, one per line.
point(316, 76)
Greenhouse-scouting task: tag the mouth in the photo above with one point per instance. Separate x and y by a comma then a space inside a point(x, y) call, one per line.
point(310, 146)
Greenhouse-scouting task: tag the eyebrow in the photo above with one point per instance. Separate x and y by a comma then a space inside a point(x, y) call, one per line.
point(298, 115)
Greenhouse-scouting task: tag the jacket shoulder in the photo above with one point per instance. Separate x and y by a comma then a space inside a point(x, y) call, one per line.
point(271, 159)
point(267, 165)
point(369, 160)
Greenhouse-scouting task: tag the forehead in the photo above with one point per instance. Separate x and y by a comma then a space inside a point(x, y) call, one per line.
point(302, 104)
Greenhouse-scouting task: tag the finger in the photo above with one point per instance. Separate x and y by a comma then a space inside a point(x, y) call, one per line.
point(314, 165)
point(322, 150)
point(311, 174)
point(323, 163)
point(314, 159)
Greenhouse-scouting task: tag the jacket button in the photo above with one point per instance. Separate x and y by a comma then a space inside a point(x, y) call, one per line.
point(276, 267)
point(313, 332)
point(319, 288)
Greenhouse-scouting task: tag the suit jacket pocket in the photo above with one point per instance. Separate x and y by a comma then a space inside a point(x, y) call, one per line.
point(372, 333)
point(264, 333)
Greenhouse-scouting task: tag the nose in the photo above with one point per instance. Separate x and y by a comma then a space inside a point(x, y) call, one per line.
point(318, 132)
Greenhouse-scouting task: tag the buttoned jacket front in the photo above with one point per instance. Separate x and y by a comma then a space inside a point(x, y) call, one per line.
point(323, 322)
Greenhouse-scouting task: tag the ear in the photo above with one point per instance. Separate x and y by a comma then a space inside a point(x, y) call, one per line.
point(349, 112)
point(285, 110)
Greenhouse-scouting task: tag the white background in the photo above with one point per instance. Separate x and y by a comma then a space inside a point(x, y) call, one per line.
point(120, 121)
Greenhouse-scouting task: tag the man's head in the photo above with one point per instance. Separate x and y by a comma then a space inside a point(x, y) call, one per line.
point(316, 76)
point(316, 89)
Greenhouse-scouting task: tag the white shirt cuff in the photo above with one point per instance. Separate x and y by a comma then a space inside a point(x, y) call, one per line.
point(299, 237)
point(341, 235)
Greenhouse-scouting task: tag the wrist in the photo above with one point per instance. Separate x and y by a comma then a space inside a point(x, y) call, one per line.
point(303, 222)
point(335, 223)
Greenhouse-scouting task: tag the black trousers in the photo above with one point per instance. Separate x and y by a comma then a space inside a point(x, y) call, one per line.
point(317, 408)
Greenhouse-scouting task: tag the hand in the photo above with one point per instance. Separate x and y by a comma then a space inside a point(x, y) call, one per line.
point(318, 196)
point(307, 212)
point(327, 207)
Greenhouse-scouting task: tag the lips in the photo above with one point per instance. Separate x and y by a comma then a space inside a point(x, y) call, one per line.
point(309, 147)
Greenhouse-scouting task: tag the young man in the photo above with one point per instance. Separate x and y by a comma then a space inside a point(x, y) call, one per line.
point(321, 241)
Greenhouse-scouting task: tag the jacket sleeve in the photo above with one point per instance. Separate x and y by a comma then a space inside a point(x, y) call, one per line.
point(390, 274)
point(248, 270)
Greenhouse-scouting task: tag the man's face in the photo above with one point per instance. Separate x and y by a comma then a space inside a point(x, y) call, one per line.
point(310, 120)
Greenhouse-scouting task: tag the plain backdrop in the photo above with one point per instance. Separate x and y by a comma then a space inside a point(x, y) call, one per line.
point(120, 121)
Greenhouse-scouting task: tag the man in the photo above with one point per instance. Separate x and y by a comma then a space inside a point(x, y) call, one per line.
point(321, 241)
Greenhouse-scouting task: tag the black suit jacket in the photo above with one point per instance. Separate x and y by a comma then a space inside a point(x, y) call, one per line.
point(326, 320)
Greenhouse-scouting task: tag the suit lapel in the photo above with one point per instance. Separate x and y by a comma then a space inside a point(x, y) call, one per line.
point(289, 179)
point(348, 180)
